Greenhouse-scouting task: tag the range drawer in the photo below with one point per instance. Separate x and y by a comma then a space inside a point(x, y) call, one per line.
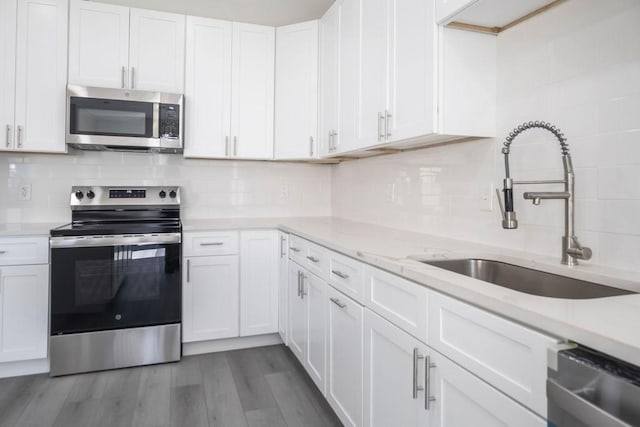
point(24, 250)
point(508, 356)
point(400, 301)
point(204, 243)
point(347, 275)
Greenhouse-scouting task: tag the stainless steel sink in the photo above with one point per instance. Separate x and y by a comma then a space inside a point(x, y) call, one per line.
point(527, 280)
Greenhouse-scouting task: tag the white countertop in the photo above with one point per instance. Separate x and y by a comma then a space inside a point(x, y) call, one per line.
point(27, 229)
point(609, 324)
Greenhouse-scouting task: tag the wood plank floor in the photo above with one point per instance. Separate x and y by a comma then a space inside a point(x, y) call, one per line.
point(263, 386)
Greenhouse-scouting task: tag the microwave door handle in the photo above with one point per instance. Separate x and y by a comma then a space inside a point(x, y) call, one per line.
point(156, 120)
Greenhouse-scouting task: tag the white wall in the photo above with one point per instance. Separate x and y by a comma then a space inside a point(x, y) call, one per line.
point(576, 66)
point(211, 189)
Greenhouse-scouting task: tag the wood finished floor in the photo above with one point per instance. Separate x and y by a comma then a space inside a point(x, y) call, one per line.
point(258, 387)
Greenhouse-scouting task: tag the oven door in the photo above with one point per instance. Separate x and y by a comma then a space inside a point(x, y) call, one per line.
point(114, 282)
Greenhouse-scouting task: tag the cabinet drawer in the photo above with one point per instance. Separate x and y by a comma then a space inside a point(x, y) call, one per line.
point(298, 249)
point(401, 302)
point(347, 275)
point(317, 260)
point(508, 356)
point(24, 250)
point(210, 243)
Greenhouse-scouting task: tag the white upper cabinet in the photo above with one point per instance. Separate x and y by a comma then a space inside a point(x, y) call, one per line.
point(252, 86)
point(33, 74)
point(328, 96)
point(208, 87)
point(296, 111)
point(118, 47)
point(156, 54)
point(98, 44)
point(349, 38)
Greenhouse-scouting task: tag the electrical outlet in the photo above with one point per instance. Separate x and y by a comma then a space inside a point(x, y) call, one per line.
point(24, 192)
point(487, 199)
point(284, 191)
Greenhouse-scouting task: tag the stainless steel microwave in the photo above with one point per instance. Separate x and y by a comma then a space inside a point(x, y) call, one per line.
point(122, 119)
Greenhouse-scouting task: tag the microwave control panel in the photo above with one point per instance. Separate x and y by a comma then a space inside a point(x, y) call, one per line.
point(170, 121)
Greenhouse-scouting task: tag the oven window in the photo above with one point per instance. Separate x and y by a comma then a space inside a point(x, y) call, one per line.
point(93, 116)
point(114, 287)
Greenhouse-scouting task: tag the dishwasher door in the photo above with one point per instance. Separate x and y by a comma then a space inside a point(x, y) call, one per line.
point(590, 389)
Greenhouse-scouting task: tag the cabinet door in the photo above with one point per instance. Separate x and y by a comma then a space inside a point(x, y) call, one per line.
point(283, 288)
point(98, 44)
point(252, 91)
point(393, 375)
point(296, 111)
point(156, 51)
point(372, 77)
point(314, 292)
point(411, 96)
point(208, 87)
point(329, 50)
point(7, 72)
point(24, 308)
point(462, 399)
point(41, 75)
point(344, 359)
point(349, 41)
point(298, 314)
point(210, 304)
point(259, 254)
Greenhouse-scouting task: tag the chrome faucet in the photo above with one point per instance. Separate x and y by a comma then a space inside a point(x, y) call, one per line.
point(571, 248)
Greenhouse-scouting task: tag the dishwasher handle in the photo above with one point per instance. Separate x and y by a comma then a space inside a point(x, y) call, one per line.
point(583, 410)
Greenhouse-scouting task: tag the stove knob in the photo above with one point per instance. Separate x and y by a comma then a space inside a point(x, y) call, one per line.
point(91, 194)
point(162, 194)
point(172, 194)
point(79, 195)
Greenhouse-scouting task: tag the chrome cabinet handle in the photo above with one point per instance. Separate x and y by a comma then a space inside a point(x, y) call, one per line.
point(294, 249)
point(310, 146)
point(8, 136)
point(212, 244)
point(335, 145)
point(313, 259)
point(340, 274)
point(330, 148)
point(19, 136)
point(380, 134)
point(123, 76)
point(416, 388)
point(388, 116)
point(133, 77)
point(226, 146)
point(302, 279)
point(299, 276)
point(282, 251)
point(427, 382)
point(235, 145)
point(337, 302)
point(3, 252)
point(188, 270)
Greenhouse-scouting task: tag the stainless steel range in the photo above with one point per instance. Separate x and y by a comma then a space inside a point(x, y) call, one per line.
point(116, 280)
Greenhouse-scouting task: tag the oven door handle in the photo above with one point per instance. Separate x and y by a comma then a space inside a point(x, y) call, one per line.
point(116, 240)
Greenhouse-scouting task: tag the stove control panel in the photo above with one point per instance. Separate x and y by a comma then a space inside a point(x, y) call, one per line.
point(96, 196)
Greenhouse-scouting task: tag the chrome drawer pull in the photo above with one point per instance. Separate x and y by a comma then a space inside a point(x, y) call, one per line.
point(313, 259)
point(294, 249)
point(337, 302)
point(212, 244)
point(340, 274)
point(3, 252)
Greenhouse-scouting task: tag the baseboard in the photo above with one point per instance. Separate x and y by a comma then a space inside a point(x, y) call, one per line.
point(24, 367)
point(214, 346)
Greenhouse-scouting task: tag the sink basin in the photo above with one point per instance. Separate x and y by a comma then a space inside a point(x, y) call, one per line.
point(527, 280)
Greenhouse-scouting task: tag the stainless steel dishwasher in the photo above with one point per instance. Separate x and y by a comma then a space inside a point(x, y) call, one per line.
point(588, 388)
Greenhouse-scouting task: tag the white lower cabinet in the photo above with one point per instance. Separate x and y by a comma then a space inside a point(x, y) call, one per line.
point(307, 320)
point(258, 282)
point(344, 357)
point(210, 298)
point(24, 308)
point(461, 399)
point(394, 375)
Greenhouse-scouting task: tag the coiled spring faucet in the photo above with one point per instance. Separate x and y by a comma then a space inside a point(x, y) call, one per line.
point(571, 248)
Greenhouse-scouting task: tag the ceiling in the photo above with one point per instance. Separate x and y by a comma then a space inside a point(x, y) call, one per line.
point(265, 12)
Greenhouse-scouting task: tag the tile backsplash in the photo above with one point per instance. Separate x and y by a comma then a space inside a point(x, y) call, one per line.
point(211, 189)
point(576, 66)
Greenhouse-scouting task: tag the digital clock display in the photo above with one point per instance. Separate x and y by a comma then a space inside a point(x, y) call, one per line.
point(127, 194)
